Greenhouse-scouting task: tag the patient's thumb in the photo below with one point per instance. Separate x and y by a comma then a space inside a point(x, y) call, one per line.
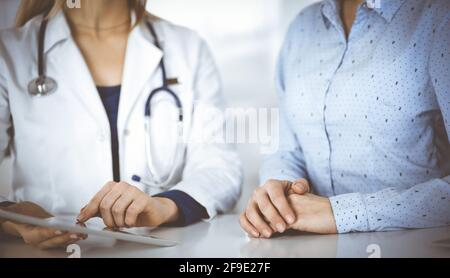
point(300, 186)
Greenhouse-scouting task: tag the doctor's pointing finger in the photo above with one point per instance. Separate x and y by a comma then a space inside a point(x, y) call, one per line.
point(123, 205)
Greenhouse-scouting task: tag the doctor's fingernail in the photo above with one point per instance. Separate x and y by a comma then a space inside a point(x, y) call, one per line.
point(280, 227)
point(255, 234)
point(58, 233)
point(267, 233)
point(290, 219)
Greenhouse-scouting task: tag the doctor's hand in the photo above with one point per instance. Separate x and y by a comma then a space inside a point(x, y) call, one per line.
point(123, 205)
point(269, 210)
point(43, 238)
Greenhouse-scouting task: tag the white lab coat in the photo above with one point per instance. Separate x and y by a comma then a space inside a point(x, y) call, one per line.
point(61, 142)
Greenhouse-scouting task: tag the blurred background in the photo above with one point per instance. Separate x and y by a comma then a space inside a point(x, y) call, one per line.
point(245, 37)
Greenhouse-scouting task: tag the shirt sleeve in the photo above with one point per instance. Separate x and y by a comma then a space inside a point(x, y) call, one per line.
point(287, 162)
point(421, 206)
point(190, 211)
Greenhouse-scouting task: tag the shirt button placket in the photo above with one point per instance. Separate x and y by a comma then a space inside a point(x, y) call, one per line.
point(326, 104)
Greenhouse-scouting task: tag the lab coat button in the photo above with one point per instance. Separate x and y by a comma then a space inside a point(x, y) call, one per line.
point(126, 132)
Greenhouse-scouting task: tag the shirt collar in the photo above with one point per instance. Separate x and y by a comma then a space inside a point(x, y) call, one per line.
point(330, 12)
point(384, 8)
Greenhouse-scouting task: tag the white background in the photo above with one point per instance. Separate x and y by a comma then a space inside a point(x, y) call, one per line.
point(245, 36)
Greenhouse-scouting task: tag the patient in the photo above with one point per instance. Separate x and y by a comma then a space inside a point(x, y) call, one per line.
point(364, 95)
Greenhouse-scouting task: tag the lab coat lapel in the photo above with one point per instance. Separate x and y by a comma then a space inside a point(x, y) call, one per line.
point(78, 79)
point(142, 60)
point(73, 73)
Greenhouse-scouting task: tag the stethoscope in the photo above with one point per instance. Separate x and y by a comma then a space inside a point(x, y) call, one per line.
point(44, 85)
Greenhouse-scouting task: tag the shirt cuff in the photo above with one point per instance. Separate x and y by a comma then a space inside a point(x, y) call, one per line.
point(350, 213)
point(190, 211)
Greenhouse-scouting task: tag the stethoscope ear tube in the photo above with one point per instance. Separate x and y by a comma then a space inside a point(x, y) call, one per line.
point(163, 89)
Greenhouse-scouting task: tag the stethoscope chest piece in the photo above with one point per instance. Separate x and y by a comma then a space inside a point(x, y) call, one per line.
point(42, 86)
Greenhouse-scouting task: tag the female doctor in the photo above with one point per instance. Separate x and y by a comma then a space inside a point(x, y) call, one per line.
point(98, 106)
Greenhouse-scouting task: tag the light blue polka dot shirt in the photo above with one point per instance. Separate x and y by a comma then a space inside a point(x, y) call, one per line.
point(367, 119)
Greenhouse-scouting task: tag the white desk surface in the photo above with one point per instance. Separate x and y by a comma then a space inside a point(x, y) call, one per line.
point(223, 237)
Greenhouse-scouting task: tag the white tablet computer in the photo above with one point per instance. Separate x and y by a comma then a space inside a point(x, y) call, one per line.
point(67, 223)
